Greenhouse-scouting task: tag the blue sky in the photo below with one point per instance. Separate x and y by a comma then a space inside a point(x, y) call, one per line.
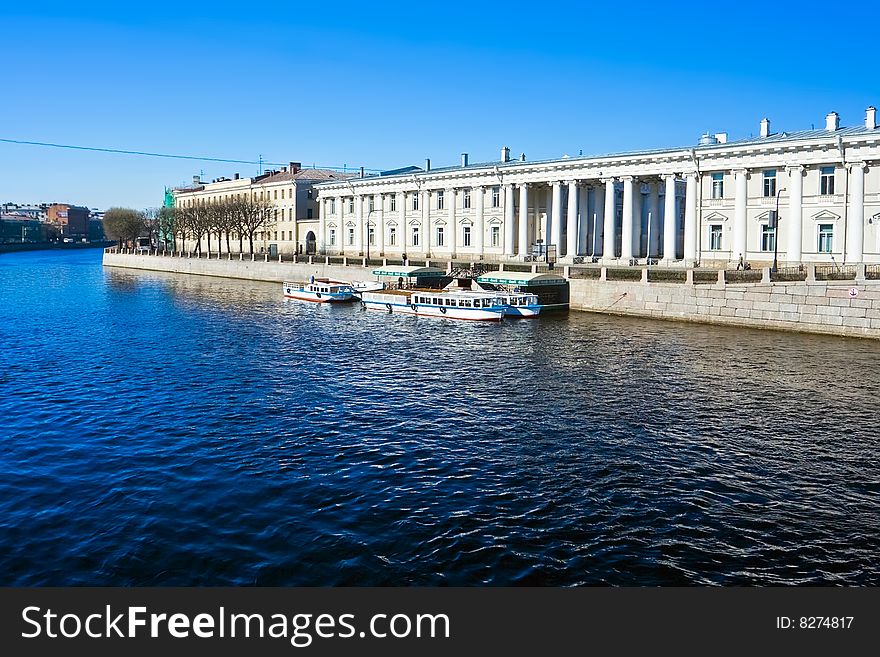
point(383, 85)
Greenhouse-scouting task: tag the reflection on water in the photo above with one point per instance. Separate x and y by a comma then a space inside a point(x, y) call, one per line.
point(165, 429)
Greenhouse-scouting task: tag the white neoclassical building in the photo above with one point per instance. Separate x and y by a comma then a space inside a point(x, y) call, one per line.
point(707, 204)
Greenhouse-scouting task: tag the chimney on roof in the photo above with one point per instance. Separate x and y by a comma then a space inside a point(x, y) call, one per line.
point(505, 154)
point(464, 159)
point(295, 167)
point(362, 172)
point(427, 164)
point(522, 157)
point(197, 180)
point(765, 127)
point(832, 121)
point(871, 118)
point(237, 176)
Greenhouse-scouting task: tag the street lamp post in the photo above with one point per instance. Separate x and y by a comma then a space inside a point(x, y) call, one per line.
point(775, 226)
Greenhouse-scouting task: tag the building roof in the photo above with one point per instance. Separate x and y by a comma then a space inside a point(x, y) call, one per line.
point(408, 272)
point(779, 137)
point(520, 278)
point(322, 175)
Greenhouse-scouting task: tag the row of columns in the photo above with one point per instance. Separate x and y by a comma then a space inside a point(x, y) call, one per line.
point(516, 235)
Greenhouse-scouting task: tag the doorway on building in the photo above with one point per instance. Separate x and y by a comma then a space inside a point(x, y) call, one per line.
point(311, 243)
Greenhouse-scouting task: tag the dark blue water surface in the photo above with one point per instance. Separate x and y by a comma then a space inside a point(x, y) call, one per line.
point(170, 430)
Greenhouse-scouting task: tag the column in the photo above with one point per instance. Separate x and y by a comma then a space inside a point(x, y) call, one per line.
point(401, 219)
point(380, 226)
point(453, 225)
point(425, 209)
point(610, 211)
point(626, 225)
point(596, 246)
point(795, 224)
point(509, 222)
point(571, 245)
point(670, 219)
point(585, 220)
point(690, 219)
point(855, 238)
point(637, 218)
point(359, 224)
point(523, 219)
point(740, 215)
point(477, 200)
point(323, 206)
point(654, 228)
point(556, 218)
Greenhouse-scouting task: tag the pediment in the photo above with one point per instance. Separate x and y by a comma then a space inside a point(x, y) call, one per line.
point(825, 215)
point(716, 216)
point(350, 224)
point(331, 225)
point(391, 223)
point(415, 222)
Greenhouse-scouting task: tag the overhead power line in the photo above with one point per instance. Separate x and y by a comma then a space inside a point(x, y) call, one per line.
point(199, 158)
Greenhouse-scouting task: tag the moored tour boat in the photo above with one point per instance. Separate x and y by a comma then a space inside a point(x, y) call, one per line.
point(320, 291)
point(435, 303)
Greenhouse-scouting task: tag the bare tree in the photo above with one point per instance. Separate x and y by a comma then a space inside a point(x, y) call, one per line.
point(123, 224)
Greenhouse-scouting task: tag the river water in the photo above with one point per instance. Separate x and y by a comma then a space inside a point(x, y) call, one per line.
point(161, 429)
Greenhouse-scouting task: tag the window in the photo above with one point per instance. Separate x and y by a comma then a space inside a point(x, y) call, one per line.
point(466, 199)
point(372, 203)
point(308, 214)
point(393, 203)
point(415, 200)
point(392, 236)
point(351, 236)
point(769, 184)
point(282, 235)
point(275, 235)
point(496, 236)
point(276, 194)
point(332, 237)
point(371, 236)
point(439, 235)
point(768, 238)
point(496, 197)
point(826, 182)
point(282, 214)
point(440, 197)
point(282, 194)
point(415, 236)
point(332, 206)
point(715, 237)
point(466, 236)
point(717, 185)
point(351, 205)
point(826, 237)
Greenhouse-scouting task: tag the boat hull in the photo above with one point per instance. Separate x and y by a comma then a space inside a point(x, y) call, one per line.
point(442, 312)
point(316, 297)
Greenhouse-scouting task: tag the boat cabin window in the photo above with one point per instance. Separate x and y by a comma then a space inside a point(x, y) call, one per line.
point(438, 302)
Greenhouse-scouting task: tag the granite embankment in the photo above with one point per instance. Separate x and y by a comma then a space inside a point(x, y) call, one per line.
point(841, 307)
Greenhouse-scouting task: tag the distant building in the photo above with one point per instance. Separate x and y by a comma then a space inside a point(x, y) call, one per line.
point(16, 228)
point(295, 222)
point(73, 220)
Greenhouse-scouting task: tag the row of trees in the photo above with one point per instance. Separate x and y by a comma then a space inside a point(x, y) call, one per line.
point(230, 219)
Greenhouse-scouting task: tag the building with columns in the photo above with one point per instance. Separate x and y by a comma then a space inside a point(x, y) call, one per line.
point(706, 204)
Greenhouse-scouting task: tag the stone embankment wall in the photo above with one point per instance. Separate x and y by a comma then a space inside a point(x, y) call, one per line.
point(809, 306)
point(815, 307)
point(260, 269)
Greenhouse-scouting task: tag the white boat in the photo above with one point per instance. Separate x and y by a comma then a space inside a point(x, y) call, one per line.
point(436, 303)
point(320, 291)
